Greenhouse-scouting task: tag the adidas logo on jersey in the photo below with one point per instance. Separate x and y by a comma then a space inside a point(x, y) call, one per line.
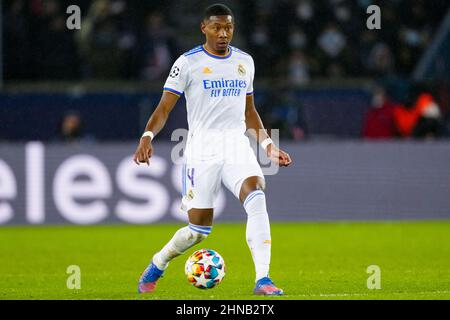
point(207, 70)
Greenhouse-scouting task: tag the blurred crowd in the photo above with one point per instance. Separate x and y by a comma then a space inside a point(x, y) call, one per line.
point(117, 40)
point(292, 39)
point(418, 117)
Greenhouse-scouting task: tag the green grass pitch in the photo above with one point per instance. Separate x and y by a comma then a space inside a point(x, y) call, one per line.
point(309, 261)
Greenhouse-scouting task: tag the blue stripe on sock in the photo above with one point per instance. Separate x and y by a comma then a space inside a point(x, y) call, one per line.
point(252, 195)
point(200, 230)
point(203, 228)
point(200, 227)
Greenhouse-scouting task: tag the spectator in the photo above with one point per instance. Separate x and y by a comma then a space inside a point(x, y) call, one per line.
point(332, 45)
point(55, 56)
point(17, 49)
point(429, 124)
point(379, 120)
point(367, 41)
point(306, 17)
point(260, 42)
point(102, 42)
point(283, 112)
point(158, 49)
point(331, 35)
point(331, 41)
point(380, 59)
point(298, 69)
point(71, 129)
point(305, 10)
point(297, 39)
point(420, 118)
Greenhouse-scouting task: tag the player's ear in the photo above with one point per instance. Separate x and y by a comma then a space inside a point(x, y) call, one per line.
point(202, 27)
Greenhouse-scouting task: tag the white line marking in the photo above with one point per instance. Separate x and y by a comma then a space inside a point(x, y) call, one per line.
point(366, 294)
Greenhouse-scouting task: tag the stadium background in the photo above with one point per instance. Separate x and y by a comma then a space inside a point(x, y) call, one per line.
point(347, 101)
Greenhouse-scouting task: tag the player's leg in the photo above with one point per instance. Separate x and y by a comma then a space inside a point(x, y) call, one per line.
point(257, 232)
point(200, 225)
point(258, 236)
point(199, 187)
point(247, 183)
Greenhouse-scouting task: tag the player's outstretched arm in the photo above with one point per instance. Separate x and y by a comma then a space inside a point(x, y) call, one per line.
point(253, 121)
point(156, 122)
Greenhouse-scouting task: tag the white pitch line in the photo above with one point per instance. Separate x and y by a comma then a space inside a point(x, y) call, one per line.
point(333, 295)
point(423, 292)
point(366, 294)
point(343, 294)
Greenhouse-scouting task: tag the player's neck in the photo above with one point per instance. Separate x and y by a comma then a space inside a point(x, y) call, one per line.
point(214, 52)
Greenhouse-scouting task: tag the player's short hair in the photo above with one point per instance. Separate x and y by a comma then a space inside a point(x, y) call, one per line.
point(217, 9)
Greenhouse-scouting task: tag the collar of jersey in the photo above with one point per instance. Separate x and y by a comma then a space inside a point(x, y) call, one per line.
point(216, 56)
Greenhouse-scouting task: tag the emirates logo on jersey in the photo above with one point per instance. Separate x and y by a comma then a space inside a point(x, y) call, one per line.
point(224, 87)
point(241, 70)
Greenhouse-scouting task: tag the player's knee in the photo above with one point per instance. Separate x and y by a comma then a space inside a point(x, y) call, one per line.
point(251, 185)
point(261, 185)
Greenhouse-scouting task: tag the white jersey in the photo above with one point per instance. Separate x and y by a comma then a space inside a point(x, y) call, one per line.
point(215, 88)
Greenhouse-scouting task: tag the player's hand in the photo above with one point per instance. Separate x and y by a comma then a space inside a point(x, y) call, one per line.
point(144, 151)
point(278, 156)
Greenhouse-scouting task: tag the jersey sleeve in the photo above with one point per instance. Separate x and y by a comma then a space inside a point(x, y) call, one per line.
point(178, 78)
point(252, 77)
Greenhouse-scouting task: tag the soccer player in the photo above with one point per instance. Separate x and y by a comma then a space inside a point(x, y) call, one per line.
point(217, 82)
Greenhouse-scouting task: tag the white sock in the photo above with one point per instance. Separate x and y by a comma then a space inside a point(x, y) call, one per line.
point(258, 232)
point(182, 240)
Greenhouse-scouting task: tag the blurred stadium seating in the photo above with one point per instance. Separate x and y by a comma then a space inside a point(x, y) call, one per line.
point(317, 63)
point(321, 77)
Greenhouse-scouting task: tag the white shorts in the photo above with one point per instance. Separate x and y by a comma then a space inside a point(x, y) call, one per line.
point(202, 176)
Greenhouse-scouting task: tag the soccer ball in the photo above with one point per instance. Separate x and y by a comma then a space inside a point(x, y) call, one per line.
point(205, 269)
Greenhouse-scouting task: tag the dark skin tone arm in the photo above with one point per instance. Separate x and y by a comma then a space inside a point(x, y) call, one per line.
point(168, 100)
point(253, 121)
point(156, 122)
